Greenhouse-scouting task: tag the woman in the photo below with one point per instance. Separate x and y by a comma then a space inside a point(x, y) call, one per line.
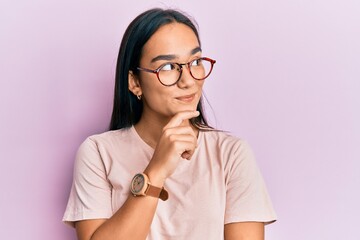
point(161, 147)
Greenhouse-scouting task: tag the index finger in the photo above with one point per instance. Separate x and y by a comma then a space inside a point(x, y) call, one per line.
point(180, 117)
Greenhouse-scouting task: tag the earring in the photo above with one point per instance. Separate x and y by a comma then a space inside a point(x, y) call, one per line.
point(138, 97)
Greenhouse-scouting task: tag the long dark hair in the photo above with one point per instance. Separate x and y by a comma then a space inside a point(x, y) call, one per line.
point(127, 108)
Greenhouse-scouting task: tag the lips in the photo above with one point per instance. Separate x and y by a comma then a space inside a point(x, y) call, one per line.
point(186, 98)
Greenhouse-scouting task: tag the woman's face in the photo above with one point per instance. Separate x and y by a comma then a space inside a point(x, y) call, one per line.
point(177, 43)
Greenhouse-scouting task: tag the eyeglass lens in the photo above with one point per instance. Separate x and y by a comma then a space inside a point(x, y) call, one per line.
point(170, 73)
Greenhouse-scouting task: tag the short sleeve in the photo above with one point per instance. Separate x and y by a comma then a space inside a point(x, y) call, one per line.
point(90, 196)
point(246, 195)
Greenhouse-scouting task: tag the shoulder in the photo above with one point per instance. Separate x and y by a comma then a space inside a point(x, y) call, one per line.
point(109, 139)
point(95, 149)
point(98, 143)
point(223, 140)
point(231, 149)
point(110, 136)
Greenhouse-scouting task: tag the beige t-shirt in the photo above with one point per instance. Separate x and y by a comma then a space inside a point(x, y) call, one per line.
point(219, 185)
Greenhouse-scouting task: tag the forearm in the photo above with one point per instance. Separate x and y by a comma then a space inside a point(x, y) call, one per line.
point(244, 231)
point(131, 221)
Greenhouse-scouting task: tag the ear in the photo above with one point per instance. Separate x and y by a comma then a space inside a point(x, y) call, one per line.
point(134, 84)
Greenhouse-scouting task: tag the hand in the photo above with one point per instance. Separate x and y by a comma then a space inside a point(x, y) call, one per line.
point(177, 141)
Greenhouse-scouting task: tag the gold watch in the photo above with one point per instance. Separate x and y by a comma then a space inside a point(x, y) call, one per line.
point(141, 186)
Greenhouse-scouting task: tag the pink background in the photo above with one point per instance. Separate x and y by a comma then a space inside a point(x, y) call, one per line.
point(287, 80)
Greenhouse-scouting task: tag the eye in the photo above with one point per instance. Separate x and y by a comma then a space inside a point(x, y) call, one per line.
point(196, 62)
point(168, 67)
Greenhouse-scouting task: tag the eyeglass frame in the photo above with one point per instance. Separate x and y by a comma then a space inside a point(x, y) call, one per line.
point(188, 64)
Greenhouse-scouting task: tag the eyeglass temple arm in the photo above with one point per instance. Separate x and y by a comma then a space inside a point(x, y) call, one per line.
point(210, 60)
point(146, 70)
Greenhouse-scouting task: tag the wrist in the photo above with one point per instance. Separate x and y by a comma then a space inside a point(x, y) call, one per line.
point(155, 178)
point(141, 186)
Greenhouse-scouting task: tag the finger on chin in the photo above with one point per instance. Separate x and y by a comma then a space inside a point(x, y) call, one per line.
point(180, 117)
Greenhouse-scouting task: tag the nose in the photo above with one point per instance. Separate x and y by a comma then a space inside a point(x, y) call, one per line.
point(186, 80)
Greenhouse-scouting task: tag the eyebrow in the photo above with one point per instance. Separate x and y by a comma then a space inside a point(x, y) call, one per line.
point(173, 56)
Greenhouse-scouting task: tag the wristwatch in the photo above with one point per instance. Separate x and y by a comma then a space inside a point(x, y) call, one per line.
point(141, 186)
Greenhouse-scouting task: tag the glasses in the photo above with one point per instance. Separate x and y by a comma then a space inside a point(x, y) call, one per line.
point(170, 73)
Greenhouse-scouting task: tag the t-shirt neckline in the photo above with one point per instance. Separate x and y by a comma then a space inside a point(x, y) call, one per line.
point(147, 146)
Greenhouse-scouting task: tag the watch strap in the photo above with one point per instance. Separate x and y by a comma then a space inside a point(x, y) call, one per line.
point(157, 192)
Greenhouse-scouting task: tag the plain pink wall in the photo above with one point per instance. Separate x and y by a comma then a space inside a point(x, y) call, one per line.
point(287, 80)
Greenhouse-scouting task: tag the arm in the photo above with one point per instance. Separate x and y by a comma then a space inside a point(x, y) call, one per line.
point(133, 219)
point(246, 196)
point(244, 231)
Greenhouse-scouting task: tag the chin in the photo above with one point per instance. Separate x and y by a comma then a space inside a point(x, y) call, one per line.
point(176, 108)
point(186, 108)
point(183, 110)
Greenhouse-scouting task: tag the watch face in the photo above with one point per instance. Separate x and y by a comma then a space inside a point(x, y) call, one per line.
point(137, 183)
